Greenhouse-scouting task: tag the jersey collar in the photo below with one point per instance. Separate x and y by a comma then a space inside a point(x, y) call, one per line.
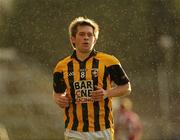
point(93, 53)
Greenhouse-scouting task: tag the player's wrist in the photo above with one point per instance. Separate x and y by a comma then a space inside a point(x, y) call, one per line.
point(105, 94)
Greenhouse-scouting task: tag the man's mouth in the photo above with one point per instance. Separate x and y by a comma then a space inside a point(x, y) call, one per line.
point(86, 43)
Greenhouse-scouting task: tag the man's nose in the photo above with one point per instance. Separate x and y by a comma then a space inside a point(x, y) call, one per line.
point(86, 37)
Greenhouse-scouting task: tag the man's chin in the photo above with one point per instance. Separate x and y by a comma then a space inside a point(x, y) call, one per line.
point(86, 51)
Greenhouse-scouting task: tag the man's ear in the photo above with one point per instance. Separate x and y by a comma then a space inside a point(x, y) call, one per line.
point(95, 40)
point(72, 39)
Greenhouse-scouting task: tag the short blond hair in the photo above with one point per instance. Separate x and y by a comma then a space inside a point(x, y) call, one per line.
point(82, 21)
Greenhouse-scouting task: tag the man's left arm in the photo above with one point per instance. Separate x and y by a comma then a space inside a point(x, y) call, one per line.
point(121, 90)
point(118, 91)
point(119, 77)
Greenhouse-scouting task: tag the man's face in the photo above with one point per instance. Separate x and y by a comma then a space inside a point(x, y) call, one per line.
point(84, 39)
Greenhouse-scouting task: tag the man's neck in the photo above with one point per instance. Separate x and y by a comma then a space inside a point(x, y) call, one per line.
point(82, 56)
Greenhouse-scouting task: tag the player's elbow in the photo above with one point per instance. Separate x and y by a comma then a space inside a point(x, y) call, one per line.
point(128, 92)
point(128, 89)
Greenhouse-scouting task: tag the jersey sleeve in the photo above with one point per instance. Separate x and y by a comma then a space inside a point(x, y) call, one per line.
point(59, 84)
point(117, 73)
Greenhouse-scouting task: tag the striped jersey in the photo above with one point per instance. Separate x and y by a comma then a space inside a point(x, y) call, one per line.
point(78, 78)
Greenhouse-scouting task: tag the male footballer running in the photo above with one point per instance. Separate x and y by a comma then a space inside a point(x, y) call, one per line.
point(82, 85)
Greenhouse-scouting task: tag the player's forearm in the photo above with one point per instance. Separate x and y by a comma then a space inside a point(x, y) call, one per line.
point(121, 90)
point(61, 99)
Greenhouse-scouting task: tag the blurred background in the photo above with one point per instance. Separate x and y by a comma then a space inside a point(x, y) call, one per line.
point(143, 34)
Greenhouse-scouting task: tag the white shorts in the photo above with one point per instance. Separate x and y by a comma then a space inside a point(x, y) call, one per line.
point(106, 134)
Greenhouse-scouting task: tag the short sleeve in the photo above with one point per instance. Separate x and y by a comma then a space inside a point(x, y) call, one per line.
point(58, 82)
point(117, 74)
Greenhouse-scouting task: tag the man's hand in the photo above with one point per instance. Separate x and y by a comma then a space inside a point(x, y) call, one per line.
point(99, 94)
point(61, 100)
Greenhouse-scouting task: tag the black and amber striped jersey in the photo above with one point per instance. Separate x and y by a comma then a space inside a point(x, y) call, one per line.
point(78, 79)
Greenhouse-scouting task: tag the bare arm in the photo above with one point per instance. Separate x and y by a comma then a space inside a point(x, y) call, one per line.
point(61, 99)
point(119, 91)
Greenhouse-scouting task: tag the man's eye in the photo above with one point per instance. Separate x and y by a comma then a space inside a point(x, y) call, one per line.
point(81, 34)
point(84, 34)
point(90, 34)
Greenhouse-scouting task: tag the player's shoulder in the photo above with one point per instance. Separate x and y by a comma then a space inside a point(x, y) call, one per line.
point(107, 58)
point(62, 63)
point(64, 60)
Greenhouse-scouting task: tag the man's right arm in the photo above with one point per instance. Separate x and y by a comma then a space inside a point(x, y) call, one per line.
point(59, 93)
point(61, 99)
